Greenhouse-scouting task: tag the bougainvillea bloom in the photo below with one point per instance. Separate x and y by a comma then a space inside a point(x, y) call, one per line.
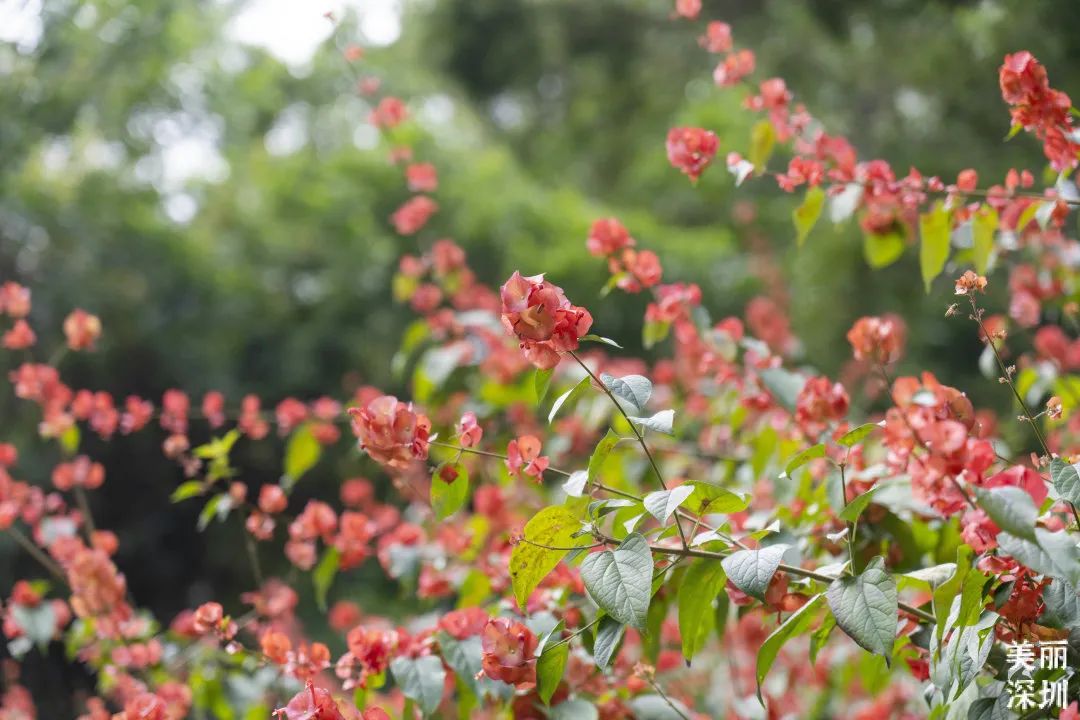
point(421, 177)
point(391, 432)
point(389, 113)
point(820, 402)
point(691, 149)
point(508, 648)
point(543, 320)
point(523, 455)
point(81, 329)
point(607, 236)
point(311, 703)
point(413, 215)
point(877, 339)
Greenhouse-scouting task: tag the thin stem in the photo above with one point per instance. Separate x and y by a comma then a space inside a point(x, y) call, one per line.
point(659, 691)
point(486, 453)
point(253, 557)
point(39, 555)
point(577, 632)
point(977, 316)
point(637, 434)
point(850, 525)
point(527, 541)
point(789, 569)
point(84, 508)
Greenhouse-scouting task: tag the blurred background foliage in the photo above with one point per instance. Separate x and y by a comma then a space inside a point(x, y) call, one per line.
point(226, 213)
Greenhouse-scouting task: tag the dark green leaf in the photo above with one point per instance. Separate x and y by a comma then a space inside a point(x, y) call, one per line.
point(796, 624)
point(866, 608)
point(449, 497)
point(704, 580)
point(550, 668)
point(1011, 508)
point(609, 633)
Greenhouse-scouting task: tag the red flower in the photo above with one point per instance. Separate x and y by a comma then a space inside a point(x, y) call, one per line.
point(80, 472)
point(20, 336)
point(523, 453)
point(508, 649)
point(413, 215)
point(81, 329)
point(421, 177)
point(14, 300)
point(691, 149)
point(391, 432)
point(877, 339)
point(688, 9)
point(819, 403)
point(607, 236)
point(717, 38)
point(390, 112)
point(1021, 477)
point(734, 68)
point(541, 317)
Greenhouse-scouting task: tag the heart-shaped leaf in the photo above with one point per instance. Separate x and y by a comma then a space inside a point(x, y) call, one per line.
point(752, 570)
point(1011, 508)
point(620, 580)
point(635, 390)
point(1066, 479)
point(865, 607)
point(420, 679)
point(663, 503)
point(700, 586)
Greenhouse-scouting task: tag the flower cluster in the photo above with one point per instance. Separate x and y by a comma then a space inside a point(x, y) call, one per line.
point(544, 321)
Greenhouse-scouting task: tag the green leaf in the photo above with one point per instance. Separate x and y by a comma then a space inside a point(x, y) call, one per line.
point(37, 623)
point(882, 250)
point(554, 526)
point(620, 580)
point(806, 215)
point(601, 339)
point(934, 227)
point(574, 710)
point(752, 570)
point(186, 490)
point(449, 497)
point(653, 332)
point(783, 385)
point(820, 637)
point(1053, 553)
point(301, 454)
point(69, 440)
point(1066, 479)
point(715, 499)
point(854, 509)
point(575, 484)
point(609, 633)
point(796, 624)
point(857, 435)
point(811, 453)
point(661, 422)
point(541, 382)
point(322, 577)
point(1011, 508)
point(762, 141)
point(635, 390)
point(662, 504)
point(866, 608)
point(704, 580)
point(983, 225)
point(567, 396)
point(1062, 606)
point(421, 680)
point(600, 454)
point(218, 506)
point(550, 668)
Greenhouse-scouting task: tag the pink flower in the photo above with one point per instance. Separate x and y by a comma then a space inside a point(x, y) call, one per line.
point(691, 149)
point(734, 68)
point(608, 236)
point(81, 329)
point(421, 177)
point(543, 320)
point(20, 336)
point(413, 215)
point(523, 453)
point(390, 112)
point(688, 9)
point(877, 339)
point(311, 703)
point(717, 37)
point(391, 432)
point(1021, 477)
point(469, 430)
point(508, 649)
